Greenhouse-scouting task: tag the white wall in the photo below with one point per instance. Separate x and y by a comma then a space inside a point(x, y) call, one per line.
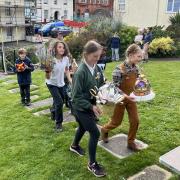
point(143, 13)
point(60, 7)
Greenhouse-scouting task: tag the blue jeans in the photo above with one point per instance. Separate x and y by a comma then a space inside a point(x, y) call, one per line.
point(115, 54)
point(58, 100)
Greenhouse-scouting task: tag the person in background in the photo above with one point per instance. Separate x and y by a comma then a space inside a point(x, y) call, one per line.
point(115, 45)
point(103, 59)
point(23, 68)
point(147, 40)
point(139, 38)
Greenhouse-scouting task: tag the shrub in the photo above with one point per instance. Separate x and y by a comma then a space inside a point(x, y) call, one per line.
point(159, 31)
point(175, 19)
point(127, 34)
point(101, 30)
point(175, 26)
point(162, 47)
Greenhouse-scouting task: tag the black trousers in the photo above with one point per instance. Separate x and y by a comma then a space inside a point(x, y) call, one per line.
point(58, 100)
point(86, 121)
point(25, 92)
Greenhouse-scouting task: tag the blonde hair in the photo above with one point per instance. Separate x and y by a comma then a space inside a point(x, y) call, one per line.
point(132, 49)
point(91, 47)
point(22, 51)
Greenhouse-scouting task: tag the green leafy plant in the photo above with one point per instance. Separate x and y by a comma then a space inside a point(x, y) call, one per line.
point(162, 47)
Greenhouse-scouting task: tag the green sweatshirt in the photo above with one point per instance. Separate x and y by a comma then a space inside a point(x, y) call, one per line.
point(83, 81)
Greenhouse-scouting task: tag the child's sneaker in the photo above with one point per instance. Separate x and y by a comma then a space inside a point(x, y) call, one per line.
point(96, 169)
point(78, 150)
point(58, 127)
point(23, 102)
point(28, 103)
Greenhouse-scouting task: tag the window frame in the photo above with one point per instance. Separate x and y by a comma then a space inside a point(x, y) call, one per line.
point(172, 8)
point(119, 4)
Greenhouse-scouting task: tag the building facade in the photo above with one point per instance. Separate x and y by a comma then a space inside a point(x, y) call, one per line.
point(56, 10)
point(88, 8)
point(12, 20)
point(144, 13)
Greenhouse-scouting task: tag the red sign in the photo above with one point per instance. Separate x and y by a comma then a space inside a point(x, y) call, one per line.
point(75, 23)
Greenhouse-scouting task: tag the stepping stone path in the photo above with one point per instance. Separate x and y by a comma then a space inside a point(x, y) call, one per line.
point(172, 160)
point(34, 97)
point(39, 104)
point(3, 76)
point(16, 90)
point(43, 112)
point(117, 146)
point(153, 172)
point(11, 81)
point(66, 115)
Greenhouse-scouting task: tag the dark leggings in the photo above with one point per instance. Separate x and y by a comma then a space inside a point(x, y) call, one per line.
point(58, 97)
point(86, 121)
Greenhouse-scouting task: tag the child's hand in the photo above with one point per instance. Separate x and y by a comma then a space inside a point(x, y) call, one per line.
point(97, 111)
point(26, 67)
point(132, 99)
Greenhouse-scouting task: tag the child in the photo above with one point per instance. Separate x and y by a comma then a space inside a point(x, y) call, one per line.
point(23, 68)
point(124, 77)
point(85, 110)
point(55, 80)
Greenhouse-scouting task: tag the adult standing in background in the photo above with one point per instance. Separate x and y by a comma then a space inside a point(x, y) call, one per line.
point(147, 40)
point(115, 45)
point(139, 38)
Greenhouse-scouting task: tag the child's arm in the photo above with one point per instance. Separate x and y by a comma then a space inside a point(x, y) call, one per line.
point(68, 75)
point(77, 92)
point(117, 80)
point(29, 66)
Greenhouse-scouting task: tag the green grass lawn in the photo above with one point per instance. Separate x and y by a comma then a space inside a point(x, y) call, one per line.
point(30, 149)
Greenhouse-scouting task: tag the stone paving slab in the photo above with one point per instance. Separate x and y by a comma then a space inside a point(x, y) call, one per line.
point(34, 97)
point(3, 77)
point(153, 172)
point(66, 115)
point(43, 112)
point(172, 160)
point(11, 81)
point(39, 104)
point(16, 90)
point(117, 146)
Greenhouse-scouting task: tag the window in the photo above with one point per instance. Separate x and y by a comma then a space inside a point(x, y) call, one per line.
point(92, 1)
point(122, 5)
point(173, 6)
point(8, 11)
point(65, 2)
point(45, 14)
point(65, 14)
point(9, 31)
point(45, 1)
point(55, 1)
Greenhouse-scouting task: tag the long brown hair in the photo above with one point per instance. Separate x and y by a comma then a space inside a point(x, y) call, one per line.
point(66, 48)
